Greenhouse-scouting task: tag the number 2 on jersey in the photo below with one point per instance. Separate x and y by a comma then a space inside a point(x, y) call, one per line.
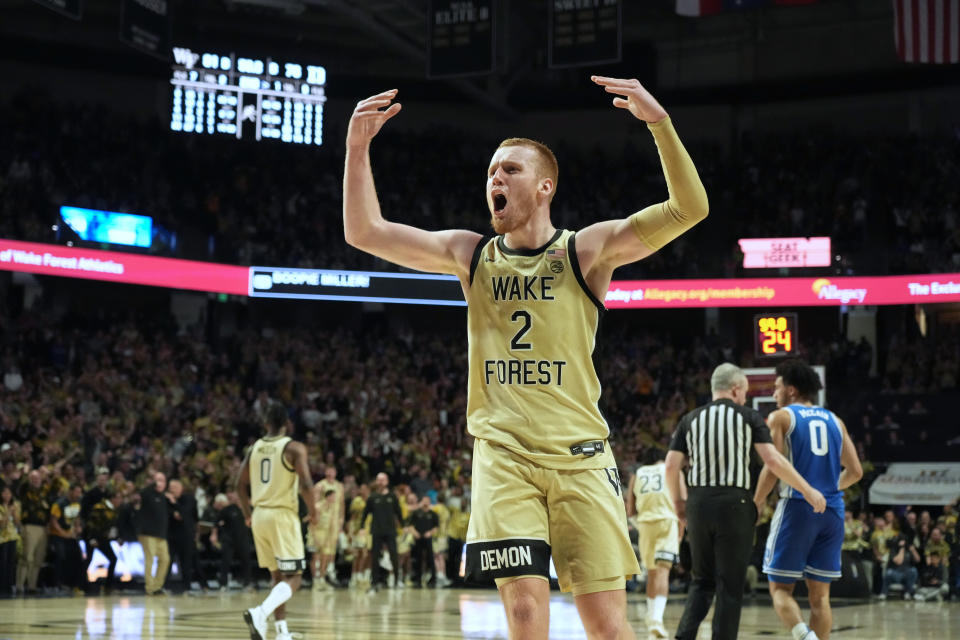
point(515, 344)
point(818, 437)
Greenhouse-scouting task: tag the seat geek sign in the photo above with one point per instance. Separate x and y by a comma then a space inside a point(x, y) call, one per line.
point(760, 253)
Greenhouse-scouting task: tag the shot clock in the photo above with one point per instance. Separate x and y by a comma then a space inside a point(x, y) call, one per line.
point(774, 334)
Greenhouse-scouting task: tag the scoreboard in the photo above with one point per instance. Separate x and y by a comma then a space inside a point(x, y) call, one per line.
point(259, 98)
point(775, 334)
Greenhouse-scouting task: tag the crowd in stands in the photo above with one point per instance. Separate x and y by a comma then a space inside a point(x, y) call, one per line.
point(266, 203)
point(911, 552)
point(106, 409)
point(92, 416)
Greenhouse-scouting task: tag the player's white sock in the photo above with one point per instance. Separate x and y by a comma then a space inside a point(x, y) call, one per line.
point(802, 632)
point(659, 604)
point(278, 595)
point(281, 627)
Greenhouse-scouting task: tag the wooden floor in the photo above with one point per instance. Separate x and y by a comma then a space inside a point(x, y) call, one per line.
point(408, 614)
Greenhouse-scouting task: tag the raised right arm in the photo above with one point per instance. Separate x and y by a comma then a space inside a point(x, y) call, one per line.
point(364, 226)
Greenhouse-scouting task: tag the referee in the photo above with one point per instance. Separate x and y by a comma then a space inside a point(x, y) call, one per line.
point(713, 442)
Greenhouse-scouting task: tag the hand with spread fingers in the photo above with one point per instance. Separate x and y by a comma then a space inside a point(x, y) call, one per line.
point(632, 96)
point(369, 116)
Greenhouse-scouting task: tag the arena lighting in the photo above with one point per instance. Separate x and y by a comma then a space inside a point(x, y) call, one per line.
point(432, 289)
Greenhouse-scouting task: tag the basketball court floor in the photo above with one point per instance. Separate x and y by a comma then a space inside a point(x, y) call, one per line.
point(409, 613)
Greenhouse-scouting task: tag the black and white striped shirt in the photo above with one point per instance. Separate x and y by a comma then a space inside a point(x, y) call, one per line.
point(717, 439)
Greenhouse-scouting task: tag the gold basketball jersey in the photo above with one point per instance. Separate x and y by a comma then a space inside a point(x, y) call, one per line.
point(357, 505)
point(443, 518)
point(336, 486)
point(650, 494)
point(273, 483)
point(532, 326)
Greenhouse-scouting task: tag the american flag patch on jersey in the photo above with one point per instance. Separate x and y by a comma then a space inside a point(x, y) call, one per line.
point(556, 254)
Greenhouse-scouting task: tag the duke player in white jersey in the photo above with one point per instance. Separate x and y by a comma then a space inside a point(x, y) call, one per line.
point(804, 544)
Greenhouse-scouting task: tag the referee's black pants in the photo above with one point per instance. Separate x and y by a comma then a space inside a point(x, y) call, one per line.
point(720, 529)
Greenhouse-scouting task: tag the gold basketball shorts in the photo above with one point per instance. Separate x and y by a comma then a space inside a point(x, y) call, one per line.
point(361, 539)
point(524, 513)
point(277, 537)
point(440, 544)
point(324, 540)
point(404, 543)
point(659, 542)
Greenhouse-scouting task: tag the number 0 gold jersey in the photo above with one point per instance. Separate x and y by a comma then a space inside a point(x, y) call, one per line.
point(650, 493)
point(273, 482)
point(532, 326)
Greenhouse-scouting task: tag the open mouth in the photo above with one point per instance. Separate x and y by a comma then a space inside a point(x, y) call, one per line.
point(499, 202)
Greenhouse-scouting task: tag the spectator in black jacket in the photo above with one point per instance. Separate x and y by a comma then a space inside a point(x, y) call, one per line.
point(901, 567)
point(99, 516)
point(127, 503)
point(65, 527)
point(182, 535)
point(423, 524)
point(233, 536)
point(153, 527)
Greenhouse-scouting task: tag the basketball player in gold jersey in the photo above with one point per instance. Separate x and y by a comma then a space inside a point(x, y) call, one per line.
point(325, 567)
point(649, 502)
point(272, 474)
point(545, 481)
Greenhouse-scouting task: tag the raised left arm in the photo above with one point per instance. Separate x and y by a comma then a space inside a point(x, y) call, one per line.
point(604, 246)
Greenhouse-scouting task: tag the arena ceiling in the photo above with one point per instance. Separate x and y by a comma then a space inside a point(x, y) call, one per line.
point(372, 42)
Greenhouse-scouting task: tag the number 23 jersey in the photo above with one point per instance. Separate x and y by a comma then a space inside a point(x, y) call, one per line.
point(532, 326)
point(651, 498)
point(814, 442)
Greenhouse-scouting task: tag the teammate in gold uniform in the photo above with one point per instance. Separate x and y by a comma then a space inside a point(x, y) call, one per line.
point(649, 502)
point(544, 478)
point(358, 532)
point(273, 472)
point(330, 483)
point(441, 544)
point(324, 535)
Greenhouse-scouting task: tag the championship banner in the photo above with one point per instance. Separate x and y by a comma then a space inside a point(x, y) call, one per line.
point(461, 37)
point(70, 8)
point(926, 483)
point(582, 33)
point(145, 25)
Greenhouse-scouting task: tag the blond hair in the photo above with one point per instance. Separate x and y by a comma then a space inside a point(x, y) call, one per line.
point(546, 162)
